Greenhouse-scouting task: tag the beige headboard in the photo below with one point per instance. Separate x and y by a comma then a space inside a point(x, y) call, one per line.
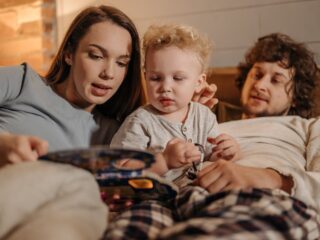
point(224, 78)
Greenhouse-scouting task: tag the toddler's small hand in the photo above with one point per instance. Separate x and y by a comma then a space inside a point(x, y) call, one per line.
point(179, 152)
point(226, 147)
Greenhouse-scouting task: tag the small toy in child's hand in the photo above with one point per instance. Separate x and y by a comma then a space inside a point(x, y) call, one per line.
point(201, 149)
point(120, 186)
point(190, 173)
point(194, 169)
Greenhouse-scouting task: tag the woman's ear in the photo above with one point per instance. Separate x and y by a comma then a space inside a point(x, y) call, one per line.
point(201, 79)
point(68, 58)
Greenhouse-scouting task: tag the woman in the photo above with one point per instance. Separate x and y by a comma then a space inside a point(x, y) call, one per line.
point(96, 70)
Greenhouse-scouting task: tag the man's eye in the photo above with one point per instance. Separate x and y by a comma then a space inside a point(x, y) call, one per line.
point(257, 76)
point(276, 81)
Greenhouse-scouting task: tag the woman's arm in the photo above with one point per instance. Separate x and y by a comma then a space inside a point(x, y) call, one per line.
point(11, 82)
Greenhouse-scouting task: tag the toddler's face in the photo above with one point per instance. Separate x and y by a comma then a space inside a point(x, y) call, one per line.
point(172, 75)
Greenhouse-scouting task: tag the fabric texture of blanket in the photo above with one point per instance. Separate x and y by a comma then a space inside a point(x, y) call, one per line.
point(42, 200)
point(240, 214)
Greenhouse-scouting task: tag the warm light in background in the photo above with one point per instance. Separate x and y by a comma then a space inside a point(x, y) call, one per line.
point(28, 33)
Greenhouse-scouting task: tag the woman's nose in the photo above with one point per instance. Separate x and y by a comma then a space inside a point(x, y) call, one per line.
point(108, 71)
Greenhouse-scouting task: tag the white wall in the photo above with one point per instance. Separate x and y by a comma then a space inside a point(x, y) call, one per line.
point(233, 25)
point(66, 11)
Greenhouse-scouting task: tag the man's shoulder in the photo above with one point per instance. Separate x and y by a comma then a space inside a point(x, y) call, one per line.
point(226, 112)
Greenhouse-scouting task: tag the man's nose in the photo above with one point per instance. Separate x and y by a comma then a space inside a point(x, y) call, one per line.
point(262, 83)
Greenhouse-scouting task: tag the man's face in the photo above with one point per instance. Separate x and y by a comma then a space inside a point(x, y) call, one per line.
point(268, 90)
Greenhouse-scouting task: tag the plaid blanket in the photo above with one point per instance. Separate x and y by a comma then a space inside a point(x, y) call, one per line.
point(237, 214)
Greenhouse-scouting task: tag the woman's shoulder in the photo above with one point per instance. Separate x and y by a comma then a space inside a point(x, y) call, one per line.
point(16, 71)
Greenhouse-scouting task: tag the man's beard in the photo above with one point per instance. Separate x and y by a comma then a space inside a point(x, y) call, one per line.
point(263, 113)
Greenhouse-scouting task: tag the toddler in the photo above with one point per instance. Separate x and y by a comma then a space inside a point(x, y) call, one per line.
point(175, 60)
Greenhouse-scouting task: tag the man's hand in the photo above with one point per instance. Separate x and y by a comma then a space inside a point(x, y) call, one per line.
point(225, 175)
point(206, 95)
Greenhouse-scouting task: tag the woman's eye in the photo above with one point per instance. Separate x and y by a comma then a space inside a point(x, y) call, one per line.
point(95, 56)
point(123, 64)
point(154, 78)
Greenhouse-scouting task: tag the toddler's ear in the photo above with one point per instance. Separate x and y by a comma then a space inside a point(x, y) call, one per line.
point(201, 79)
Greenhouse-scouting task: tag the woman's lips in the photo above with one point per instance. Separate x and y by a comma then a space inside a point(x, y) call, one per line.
point(100, 90)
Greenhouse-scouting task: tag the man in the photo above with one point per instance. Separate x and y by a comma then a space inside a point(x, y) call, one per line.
point(277, 78)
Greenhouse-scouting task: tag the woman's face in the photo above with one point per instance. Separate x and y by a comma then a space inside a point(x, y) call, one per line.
point(98, 66)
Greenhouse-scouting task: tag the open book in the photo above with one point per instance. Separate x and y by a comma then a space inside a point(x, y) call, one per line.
point(119, 186)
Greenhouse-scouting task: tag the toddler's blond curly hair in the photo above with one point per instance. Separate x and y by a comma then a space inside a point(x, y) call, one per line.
point(181, 36)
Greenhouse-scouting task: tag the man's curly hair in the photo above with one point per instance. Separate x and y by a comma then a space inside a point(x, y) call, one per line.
point(277, 47)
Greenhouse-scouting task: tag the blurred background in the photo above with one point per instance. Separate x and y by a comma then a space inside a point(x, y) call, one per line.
point(31, 30)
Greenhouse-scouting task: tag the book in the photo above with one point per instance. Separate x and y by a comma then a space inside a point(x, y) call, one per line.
point(120, 185)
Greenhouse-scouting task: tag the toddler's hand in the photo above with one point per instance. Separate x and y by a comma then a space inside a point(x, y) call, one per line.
point(179, 152)
point(226, 147)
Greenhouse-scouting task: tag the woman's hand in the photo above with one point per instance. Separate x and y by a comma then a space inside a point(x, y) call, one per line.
point(20, 148)
point(225, 175)
point(179, 152)
point(205, 96)
point(226, 147)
